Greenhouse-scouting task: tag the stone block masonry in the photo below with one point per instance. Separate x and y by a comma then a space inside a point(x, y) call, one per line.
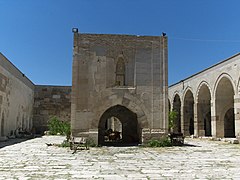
point(122, 77)
point(50, 101)
point(16, 99)
point(24, 106)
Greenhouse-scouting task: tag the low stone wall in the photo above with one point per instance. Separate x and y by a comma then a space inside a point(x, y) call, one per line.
point(50, 101)
point(154, 134)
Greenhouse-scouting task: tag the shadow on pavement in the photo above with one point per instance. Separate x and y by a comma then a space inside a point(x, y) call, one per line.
point(190, 145)
point(13, 141)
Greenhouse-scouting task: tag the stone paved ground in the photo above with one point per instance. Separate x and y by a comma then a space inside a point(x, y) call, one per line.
point(32, 159)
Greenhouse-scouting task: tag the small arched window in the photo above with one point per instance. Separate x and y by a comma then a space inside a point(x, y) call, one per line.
point(120, 72)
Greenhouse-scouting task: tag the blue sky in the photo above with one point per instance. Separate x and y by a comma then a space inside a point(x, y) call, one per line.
point(35, 35)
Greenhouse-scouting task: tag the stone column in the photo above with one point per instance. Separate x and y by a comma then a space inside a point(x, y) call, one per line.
point(182, 119)
point(237, 115)
point(196, 128)
point(213, 118)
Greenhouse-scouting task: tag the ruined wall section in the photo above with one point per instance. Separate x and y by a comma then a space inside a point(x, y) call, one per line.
point(51, 101)
point(16, 98)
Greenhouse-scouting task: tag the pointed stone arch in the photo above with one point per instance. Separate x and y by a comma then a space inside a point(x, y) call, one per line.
point(129, 102)
point(130, 130)
point(203, 83)
point(125, 100)
point(220, 77)
point(188, 112)
point(224, 92)
point(187, 89)
point(203, 98)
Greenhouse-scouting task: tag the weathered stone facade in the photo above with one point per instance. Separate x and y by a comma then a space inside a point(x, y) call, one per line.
point(50, 101)
point(120, 76)
point(120, 83)
point(16, 99)
point(24, 106)
point(208, 103)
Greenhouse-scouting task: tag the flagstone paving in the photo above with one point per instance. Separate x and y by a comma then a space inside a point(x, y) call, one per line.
point(33, 159)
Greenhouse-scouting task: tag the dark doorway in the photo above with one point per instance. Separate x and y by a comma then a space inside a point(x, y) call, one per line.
point(207, 124)
point(191, 126)
point(177, 108)
point(2, 125)
point(229, 125)
point(126, 124)
point(188, 114)
point(204, 111)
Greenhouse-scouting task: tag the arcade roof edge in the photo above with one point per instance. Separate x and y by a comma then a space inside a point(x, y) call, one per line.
point(221, 62)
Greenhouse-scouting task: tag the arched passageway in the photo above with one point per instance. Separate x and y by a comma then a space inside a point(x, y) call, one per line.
point(204, 111)
point(188, 114)
point(2, 125)
point(114, 124)
point(177, 108)
point(118, 119)
point(229, 125)
point(225, 125)
point(207, 124)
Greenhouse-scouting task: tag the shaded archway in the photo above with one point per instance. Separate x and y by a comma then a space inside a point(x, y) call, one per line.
point(2, 125)
point(169, 106)
point(129, 125)
point(204, 111)
point(224, 98)
point(229, 125)
point(188, 114)
point(177, 108)
point(207, 124)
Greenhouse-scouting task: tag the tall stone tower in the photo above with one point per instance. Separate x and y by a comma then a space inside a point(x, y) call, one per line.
point(119, 84)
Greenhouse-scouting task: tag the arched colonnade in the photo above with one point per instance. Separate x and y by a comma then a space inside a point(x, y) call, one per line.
point(208, 103)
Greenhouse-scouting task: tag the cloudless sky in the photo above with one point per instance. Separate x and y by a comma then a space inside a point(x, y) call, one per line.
point(36, 36)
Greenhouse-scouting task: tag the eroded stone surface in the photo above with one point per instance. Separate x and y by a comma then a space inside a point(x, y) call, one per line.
point(16, 99)
point(50, 101)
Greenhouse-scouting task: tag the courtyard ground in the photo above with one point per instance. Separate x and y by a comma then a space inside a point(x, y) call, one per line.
point(33, 159)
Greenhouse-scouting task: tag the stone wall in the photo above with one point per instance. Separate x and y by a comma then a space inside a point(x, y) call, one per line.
point(116, 73)
point(16, 98)
point(51, 101)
